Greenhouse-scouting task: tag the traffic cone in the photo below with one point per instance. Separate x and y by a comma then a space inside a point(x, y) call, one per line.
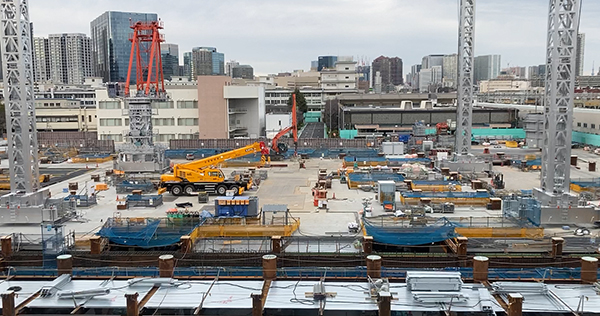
point(96, 165)
point(333, 198)
point(87, 167)
point(117, 197)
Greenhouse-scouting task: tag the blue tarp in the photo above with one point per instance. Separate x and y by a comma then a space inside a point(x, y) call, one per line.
point(145, 235)
point(411, 236)
point(479, 194)
point(375, 176)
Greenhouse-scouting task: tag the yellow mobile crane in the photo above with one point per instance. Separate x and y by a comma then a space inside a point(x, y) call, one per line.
point(204, 174)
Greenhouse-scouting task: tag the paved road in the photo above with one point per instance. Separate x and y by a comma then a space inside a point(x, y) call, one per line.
point(313, 130)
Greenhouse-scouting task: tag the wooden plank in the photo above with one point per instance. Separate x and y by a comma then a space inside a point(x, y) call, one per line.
point(23, 304)
point(147, 297)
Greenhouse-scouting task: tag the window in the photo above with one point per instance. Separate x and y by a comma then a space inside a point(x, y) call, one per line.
point(164, 137)
point(187, 122)
point(584, 125)
point(109, 105)
point(593, 126)
point(578, 124)
point(163, 122)
point(187, 104)
point(110, 122)
point(188, 136)
point(163, 105)
point(115, 137)
point(126, 122)
point(90, 119)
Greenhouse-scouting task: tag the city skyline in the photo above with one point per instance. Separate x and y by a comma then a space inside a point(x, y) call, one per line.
point(246, 32)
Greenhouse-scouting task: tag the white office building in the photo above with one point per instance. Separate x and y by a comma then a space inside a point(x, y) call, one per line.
point(276, 99)
point(342, 77)
point(176, 118)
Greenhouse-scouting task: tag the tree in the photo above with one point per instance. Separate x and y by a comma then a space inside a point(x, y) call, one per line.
point(301, 105)
point(331, 114)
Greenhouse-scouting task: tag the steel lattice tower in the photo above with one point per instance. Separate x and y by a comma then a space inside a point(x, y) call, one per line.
point(19, 97)
point(466, 37)
point(563, 25)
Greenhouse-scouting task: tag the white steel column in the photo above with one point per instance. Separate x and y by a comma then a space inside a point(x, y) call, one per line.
point(19, 97)
point(464, 97)
point(563, 25)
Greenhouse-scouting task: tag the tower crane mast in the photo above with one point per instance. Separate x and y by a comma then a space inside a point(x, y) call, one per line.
point(464, 97)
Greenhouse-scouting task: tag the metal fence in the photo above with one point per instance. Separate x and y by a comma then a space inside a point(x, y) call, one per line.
point(302, 143)
point(83, 141)
point(290, 245)
point(303, 272)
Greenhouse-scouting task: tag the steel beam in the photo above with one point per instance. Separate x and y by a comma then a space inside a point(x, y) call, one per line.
point(464, 98)
point(15, 39)
point(563, 25)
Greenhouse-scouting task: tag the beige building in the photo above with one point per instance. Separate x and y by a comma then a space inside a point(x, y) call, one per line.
point(64, 115)
point(299, 79)
point(230, 111)
point(504, 85)
point(213, 106)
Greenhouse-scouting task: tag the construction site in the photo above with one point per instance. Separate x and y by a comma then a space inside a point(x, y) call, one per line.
point(424, 222)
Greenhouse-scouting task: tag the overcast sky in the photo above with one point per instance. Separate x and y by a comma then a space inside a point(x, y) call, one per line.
point(282, 35)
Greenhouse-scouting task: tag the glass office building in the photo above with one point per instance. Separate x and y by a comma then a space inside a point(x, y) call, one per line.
point(110, 43)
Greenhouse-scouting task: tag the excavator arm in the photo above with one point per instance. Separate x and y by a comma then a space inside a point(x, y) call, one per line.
point(293, 128)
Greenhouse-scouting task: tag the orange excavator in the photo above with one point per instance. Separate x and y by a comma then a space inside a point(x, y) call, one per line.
point(280, 149)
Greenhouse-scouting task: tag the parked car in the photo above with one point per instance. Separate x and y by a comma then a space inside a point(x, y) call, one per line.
point(189, 156)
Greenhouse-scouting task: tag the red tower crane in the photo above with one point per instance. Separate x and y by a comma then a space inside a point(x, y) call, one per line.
point(145, 42)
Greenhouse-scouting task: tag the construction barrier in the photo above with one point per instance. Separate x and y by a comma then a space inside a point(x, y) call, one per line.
point(500, 232)
point(436, 186)
point(244, 230)
point(481, 198)
point(92, 158)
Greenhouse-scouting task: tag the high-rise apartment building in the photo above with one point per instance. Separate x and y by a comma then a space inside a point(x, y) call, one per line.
point(486, 67)
point(450, 71)
point(70, 58)
point(391, 72)
point(110, 43)
point(243, 72)
point(517, 72)
point(207, 61)
point(537, 75)
point(580, 50)
point(41, 59)
point(170, 60)
point(229, 67)
point(188, 65)
point(432, 60)
point(413, 77)
point(430, 79)
point(326, 62)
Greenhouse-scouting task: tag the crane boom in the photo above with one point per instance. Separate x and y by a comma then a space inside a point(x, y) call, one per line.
point(204, 175)
point(217, 159)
